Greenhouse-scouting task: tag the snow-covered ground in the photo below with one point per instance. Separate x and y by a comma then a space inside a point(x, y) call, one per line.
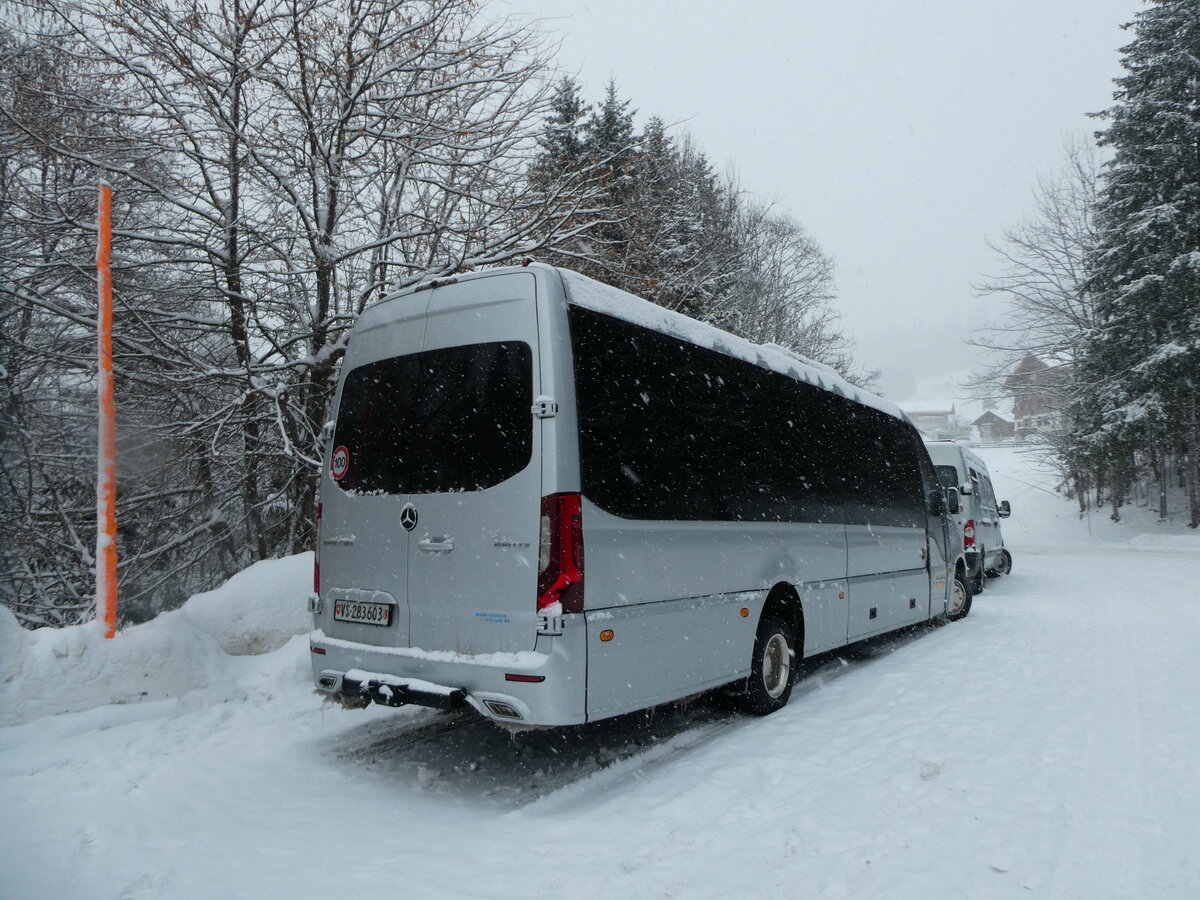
point(1044, 746)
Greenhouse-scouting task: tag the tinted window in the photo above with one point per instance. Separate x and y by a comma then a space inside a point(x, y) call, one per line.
point(929, 479)
point(456, 419)
point(669, 430)
point(947, 476)
point(886, 474)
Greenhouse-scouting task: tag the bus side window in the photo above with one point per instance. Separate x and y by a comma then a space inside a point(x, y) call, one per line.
point(929, 478)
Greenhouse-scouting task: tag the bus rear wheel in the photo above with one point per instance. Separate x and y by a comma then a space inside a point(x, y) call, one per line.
point(772, 670)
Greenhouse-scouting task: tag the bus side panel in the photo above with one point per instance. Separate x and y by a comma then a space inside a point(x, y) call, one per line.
point(646, 654)
point(912, 593)
point(886, 573)
point(672, 594)
point(826, 607)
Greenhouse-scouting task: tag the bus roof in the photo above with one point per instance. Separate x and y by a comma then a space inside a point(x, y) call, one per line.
point(612, 301)
point(603, 298)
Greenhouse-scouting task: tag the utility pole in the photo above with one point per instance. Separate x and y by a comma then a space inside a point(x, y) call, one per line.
point(106, 468)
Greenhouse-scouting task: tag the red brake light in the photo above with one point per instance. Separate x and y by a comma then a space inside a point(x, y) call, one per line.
point(969, 533)
point(560, 554)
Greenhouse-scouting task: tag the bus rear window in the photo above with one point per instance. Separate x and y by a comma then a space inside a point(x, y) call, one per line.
point(455, 419)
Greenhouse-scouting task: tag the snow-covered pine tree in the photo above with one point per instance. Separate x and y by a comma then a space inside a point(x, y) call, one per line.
point(1143, 358)
point(665, 226)
point(561, 142)
point(671, 248)
point(649, 213)
point(709, 207)
point(610, 144)
point(565, 184)
point(610, 140)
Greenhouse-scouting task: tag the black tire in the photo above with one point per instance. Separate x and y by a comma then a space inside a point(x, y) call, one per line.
point(773, 668)
point(960, 599)
point(1003, 567)
point(976, 582)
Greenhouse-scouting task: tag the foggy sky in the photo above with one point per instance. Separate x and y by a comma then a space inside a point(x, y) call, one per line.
point(902, 135)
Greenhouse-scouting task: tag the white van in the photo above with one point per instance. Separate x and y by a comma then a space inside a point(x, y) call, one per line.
point(977, 523)
point(554, 502)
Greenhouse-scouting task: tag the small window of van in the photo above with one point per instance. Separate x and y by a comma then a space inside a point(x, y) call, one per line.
point(947, 476)
point(989, 496)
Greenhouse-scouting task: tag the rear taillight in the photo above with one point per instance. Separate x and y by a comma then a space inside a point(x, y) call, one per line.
point(317, 552)
point(969, 533)
point(560, 555)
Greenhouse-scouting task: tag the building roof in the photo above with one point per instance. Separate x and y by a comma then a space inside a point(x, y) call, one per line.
point(992, 416)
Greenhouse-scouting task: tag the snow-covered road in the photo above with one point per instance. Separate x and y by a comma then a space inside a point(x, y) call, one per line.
point(1044, 746)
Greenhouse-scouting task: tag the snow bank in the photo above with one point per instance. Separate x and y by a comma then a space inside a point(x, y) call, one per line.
point(258, 609)
point(51, 671)
point(1041, 514)
point(12, 647)
point(71, 669)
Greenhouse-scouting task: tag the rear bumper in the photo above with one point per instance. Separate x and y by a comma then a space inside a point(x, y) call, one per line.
point(545, 686)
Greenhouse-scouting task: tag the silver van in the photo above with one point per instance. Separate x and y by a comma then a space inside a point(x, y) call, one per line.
point(554, 502)
point(977, 522)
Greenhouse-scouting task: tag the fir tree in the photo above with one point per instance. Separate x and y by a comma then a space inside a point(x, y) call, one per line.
point(562, 147)
point(1143, 358)
point(660, 223)
point(650, 213)
point(611, 143)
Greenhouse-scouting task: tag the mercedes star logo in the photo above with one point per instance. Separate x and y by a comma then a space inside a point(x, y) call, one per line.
point(408, 517)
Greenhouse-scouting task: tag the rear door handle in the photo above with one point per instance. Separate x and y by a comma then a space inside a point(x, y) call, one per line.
point(436, 545)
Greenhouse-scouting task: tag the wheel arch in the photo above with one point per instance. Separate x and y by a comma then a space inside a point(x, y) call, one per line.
point(783, 600)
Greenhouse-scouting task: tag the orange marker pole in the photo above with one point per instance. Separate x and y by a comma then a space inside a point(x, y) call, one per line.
point(106, 469)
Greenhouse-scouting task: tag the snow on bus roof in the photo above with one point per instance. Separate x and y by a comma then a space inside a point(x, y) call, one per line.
point(603, 298)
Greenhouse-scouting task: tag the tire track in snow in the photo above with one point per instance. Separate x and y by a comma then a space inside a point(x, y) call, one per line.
point(461, 753)
point(1097, 856)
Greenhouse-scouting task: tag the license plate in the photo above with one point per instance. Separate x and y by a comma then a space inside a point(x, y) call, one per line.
point(362, 613)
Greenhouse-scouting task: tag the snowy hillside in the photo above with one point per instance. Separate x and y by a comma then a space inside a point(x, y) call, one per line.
point(1041, 747)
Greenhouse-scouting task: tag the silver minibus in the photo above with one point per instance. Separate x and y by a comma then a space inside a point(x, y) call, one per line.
point(554, 502)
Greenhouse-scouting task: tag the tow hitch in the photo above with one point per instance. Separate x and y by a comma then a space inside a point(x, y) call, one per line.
point(399, 694)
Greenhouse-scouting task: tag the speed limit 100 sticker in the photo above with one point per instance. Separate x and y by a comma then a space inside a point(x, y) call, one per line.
point(339, 463)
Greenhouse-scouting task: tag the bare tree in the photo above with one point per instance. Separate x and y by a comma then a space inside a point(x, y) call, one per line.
point(291, 159)
point(1047, 307)
point(785, 287)
point(47, 343)
point(393, 139)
